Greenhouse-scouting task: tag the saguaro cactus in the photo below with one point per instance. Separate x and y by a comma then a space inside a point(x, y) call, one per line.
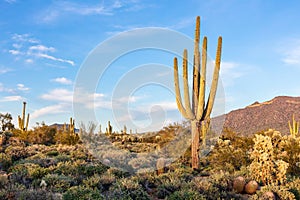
point(198, 112)
point(294, 127)
point(22, 125)
point(72, 125)
point(109, 129)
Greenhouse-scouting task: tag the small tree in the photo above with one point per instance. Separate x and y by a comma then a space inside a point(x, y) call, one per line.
point(5, 122)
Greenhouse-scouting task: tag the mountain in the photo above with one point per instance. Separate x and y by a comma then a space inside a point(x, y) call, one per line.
point(256, 117)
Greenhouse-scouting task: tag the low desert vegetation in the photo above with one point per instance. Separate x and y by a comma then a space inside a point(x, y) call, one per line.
point(265, 165)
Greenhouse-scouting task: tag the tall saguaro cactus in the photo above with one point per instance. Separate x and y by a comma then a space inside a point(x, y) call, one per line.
point(198, 111)
point(22, 125)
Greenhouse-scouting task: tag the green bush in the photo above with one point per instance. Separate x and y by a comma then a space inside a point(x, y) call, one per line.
point(5, 161)
point(36, 195)
point(58, 183)
point(80, 193)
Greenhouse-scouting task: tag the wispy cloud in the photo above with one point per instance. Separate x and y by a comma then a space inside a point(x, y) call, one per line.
point(229, 72)
point(11, 98)
point(22, 87)
point(62, 80)
point(4, 70)
point(90, 101)
point(48, 110)
point(291, 53)
point(64, 8)
point(29, 49)
point(10, 1)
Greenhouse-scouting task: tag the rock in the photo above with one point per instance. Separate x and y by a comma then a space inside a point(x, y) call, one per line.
point(268, 195)
point(239, 184)
point(251, 187)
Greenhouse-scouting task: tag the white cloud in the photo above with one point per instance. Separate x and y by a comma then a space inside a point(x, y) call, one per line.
point(28, 61)
point(12, 98)
point(24, 48)
point(4, 70)
point(41, 48)
point(60, 95)
point(62, 80)
point(228, 72)
point(11, 1)
point(42, 55)
point(15, 52)
point(291, 53)
point(91, 101)
point(48, 110)
point(24, 38)
point(63, 8)
point(22, 87)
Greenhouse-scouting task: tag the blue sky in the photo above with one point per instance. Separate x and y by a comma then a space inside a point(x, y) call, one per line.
point(44, 44)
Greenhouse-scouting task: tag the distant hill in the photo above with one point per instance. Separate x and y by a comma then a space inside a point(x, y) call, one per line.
point(61, 127)
point(273, 114)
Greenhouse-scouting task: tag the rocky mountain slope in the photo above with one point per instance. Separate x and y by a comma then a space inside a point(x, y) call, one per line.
point(273, 114)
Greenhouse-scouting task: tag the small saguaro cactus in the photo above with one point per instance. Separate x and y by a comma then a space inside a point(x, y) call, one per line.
point(21, 120)
point(125, 129)
point(294, 127)
point(72, 125)
point(109, 129)
point(198, 111)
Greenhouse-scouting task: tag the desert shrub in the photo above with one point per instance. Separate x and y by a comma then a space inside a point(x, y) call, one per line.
point(41, 134)
point(10, 191)
point(52, 153)
point(93, 182)
point(91, 169)
point(5, 161)
point(231, 150)
point(79, 193)
point(127, 188)
point(58, 183)
point(36, 172)
point(68, 168)
point(167, 184)
point(66, 137)
point(19, 173)
point(16, 152)
point(188, 194)
point(107, 179)
point(36, 195)
point(280, 191)
point(62, 157)
point(291, 155)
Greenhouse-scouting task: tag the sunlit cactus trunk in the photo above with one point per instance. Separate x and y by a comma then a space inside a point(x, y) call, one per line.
point(198, 111)
point(23, 123)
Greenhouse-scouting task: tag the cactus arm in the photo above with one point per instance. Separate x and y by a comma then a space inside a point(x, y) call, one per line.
point(196, 67)
point(291, 129)
point(23, 114)
point(201, 98)
point(187, 104)
point(177, 91)
point(214, 84)
point(27, 122)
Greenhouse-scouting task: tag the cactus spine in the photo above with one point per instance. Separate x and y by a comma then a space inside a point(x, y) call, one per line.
point(22, 125)
point(199, 113)
point(294, 127)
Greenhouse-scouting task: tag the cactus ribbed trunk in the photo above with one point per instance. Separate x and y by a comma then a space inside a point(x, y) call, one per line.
point(197, 112)
point(195, 144)
point(22, 121)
